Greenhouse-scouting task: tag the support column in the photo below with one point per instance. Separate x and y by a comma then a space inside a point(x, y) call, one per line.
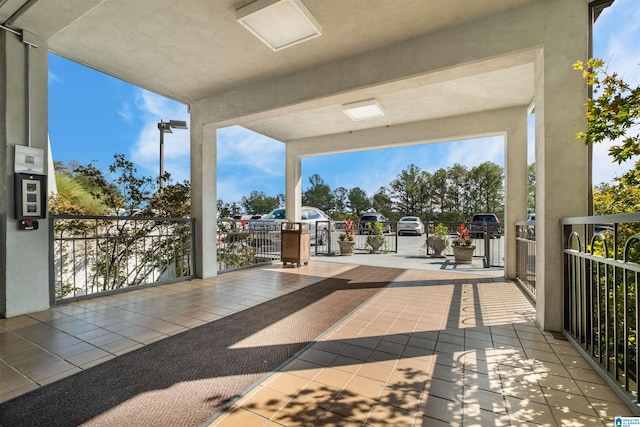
point(515, 172)
point(24, 255)
point(562, 171)
point(293, 186)
point(204, 206)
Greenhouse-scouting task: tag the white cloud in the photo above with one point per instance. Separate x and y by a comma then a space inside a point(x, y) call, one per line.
point(53, 77)
point(126, 113)
point(243, 148)
point(145, 153)
point(473, 152)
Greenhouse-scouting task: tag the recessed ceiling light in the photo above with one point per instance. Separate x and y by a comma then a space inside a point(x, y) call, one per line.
point(362, 110)
point(279, 23)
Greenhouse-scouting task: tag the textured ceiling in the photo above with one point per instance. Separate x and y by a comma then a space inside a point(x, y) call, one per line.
point(188, 50)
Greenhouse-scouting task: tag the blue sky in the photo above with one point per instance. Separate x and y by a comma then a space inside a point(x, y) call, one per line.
point(93, 116)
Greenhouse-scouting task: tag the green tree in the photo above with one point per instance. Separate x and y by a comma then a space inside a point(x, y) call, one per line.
point(438, 183)
point(381, 202)
point(318, 195)
point(487, 188)
point(358, 201)
point(531, 187)
point(134, 252)
point(73, 198)
point(174, 201)
point(134, 189)
point(458, 191)
point(613, 114)
point(259, 203)
point(93, 181)
point(224, 210)
point(407, 190)
point(340, 200)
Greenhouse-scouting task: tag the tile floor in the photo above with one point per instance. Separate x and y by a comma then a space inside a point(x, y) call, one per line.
point(40, 348)
point(434, 348)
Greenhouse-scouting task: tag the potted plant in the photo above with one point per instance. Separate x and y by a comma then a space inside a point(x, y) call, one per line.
point(347, 240)
point(438, 241)
point(375, 239)
point(463, 246)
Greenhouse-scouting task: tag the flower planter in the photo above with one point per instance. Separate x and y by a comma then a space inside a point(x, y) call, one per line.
point(463, 254)
point(346, 247)
point(376, 242)
point(437, 245)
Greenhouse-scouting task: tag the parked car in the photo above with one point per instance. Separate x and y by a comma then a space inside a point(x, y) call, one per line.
point(411, 225)
point(480, 220)
point(371, 218)
point(311, 218)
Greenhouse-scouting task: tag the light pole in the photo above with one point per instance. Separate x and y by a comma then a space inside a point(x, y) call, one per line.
point(165, 127)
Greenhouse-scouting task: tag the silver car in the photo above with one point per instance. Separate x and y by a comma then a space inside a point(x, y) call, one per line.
point(411, 225)
point(268, 227)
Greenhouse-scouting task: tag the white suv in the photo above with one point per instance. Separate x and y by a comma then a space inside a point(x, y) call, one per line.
point(311, 218)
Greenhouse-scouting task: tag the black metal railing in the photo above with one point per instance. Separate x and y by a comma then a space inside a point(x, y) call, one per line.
point(238, 245)
point(488, 240)
point(364, 238)
point(601, 280)
point(526, 256)
point(95, 255)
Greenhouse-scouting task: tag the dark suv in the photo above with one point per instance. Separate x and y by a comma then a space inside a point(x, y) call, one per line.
point(371, 218)
point(485, 221)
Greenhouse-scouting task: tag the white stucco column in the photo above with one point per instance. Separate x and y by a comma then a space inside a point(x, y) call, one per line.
point(204, 196)
point(24, 255)
point(293, 184)
point(562, 172)
point(515, 172)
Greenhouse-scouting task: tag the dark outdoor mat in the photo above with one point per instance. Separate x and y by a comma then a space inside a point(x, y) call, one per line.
point(185, 379)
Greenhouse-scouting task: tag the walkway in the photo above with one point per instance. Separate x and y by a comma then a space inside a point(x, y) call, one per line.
point(433, 348)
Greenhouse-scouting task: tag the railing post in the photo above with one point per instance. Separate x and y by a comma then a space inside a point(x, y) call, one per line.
point(487, 246)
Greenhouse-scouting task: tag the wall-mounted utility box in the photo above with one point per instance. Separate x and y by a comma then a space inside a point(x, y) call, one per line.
point(30, 195)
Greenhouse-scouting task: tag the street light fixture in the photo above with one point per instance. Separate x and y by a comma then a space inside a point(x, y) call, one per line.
point(165, 127)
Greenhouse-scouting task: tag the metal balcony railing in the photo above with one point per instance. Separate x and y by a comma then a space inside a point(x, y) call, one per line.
point(601, 282)
point(526, 256)
point(239, 246)
point(96, 255)
point(488, 240)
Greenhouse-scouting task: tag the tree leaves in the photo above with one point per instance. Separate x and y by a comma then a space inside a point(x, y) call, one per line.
point(613, 114)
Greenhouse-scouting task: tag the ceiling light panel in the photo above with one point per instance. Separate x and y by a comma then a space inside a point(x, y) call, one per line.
point(363, 110)
point(279, 23)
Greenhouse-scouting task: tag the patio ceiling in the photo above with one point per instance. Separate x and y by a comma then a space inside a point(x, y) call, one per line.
point(189, 50)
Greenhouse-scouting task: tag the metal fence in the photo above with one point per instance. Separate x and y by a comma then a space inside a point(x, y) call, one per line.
point(601, 306)
point(363, 237)
point(488, 241)
point(239, 246)
point(95, 255)
point(526, 255)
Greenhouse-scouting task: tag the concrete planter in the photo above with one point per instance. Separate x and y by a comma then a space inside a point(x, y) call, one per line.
point(346, 247)
point(376, 242)
point(463, 254)
point(437, 245)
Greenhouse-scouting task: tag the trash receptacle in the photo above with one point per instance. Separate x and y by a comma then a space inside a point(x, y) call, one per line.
point(295, 244)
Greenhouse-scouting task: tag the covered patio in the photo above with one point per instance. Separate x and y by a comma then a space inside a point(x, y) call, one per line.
point(423, 346)
point(428, 348)
point(438, 73)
